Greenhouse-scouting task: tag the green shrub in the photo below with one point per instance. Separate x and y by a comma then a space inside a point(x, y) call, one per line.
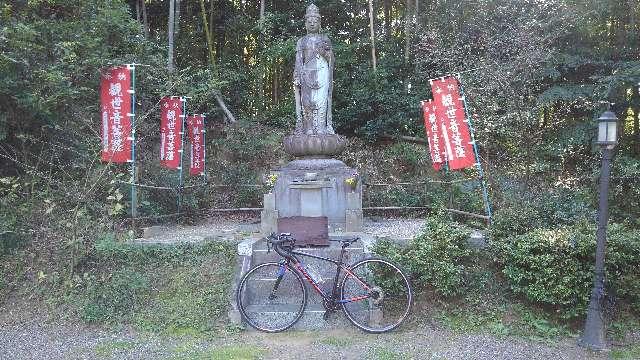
point(436, 257)
point(115, 296)
point(556, 267)
point(545, 209)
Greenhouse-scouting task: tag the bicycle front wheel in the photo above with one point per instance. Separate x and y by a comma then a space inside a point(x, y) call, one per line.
point(271, 297)
point(376, 295)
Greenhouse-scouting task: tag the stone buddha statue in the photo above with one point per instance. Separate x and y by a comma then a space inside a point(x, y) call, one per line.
point(313, 88)
point(313, 78)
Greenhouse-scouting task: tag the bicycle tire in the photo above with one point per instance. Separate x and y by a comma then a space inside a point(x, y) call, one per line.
point(390, 295)
point(259, 310)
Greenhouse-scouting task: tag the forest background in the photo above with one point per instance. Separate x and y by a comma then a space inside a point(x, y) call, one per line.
point(537, 74)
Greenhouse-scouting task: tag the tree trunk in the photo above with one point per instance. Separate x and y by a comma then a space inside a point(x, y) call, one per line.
point(635, 106)
point(387, 19)
point(221, 33)
point(145, 20)
point(276, 95)
point(170, 31)
point(207, 33)
point(407, 30)
point(373, 37)
point(177, 20)
point(212, 24)
point(138, 19)
point(260, 82)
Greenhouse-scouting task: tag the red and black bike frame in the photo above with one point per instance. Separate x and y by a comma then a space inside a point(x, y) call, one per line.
point(290, 257)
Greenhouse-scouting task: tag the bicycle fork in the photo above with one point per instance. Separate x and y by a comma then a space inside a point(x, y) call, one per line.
point(281, 271)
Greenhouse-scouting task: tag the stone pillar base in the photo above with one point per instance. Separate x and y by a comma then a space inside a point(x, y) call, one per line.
point(354, 221)
point(269, 215)
point(268, 222)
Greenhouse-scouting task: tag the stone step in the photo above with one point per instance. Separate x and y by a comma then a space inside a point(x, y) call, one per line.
point(258, 291)
point(312, 318)
point(253, 252)
point(326, 269)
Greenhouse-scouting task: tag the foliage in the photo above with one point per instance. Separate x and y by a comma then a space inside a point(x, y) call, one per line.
point(178, 289)
point(436, 257)
point(625, 194)
point(113, 297)
point(520, 213)
point(555, 267)
point(503, 319)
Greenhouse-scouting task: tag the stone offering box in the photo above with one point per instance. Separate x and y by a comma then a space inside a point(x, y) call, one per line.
point(315, 188)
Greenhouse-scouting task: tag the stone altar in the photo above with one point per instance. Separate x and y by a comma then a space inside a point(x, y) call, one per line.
point(314, 184)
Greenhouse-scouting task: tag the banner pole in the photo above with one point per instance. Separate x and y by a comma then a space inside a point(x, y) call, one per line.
point(134, 193)
point(183, 116)
point(485, 193)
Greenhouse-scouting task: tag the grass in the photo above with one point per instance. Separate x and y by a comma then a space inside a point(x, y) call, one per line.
point(107, 349)
point(631, 352)
point(227, 352)
point(382, 353)
point(190, 301)
point(508, 319)
point(180, 290)
point(336, 341)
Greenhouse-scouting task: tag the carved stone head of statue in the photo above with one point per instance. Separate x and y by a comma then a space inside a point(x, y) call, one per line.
point(312, 19)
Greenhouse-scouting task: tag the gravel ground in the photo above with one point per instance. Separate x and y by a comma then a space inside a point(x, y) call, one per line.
point(36, 340)
point(400, 229)
point(28, 335)
point(235, 230)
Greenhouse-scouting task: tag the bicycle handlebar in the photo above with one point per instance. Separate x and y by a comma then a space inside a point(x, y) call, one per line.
point(277, 242)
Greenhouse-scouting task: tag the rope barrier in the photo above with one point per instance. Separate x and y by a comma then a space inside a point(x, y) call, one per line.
point(188, 186)
point(421, 183)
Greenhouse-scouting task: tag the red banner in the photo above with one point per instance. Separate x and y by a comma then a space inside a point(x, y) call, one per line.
point(455, 131)
point(434, 136)
point(115, 109)
point(170, 132)
point(195, 124)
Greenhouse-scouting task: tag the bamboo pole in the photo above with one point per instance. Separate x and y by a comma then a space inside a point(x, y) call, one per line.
point(207, 32)
point(224, 108)
point(170, 31)
point(373, 37)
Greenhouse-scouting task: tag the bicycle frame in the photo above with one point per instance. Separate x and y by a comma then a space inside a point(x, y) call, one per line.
point(290, 257)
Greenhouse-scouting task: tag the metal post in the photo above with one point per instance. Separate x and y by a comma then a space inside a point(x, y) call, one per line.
point(485, 193)
point(182, 120)
point(134, 194)
point(594, 336)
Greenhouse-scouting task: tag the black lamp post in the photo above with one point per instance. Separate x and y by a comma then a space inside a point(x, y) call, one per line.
point(594, 336)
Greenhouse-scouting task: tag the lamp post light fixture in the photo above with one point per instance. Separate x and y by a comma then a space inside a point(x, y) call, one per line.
point(594, 336)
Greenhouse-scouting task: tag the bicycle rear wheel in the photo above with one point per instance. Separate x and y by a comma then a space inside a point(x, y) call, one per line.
point(376, 295)
point(271, 297)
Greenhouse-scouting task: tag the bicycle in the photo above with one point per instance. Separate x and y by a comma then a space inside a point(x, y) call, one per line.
point(374, 293)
